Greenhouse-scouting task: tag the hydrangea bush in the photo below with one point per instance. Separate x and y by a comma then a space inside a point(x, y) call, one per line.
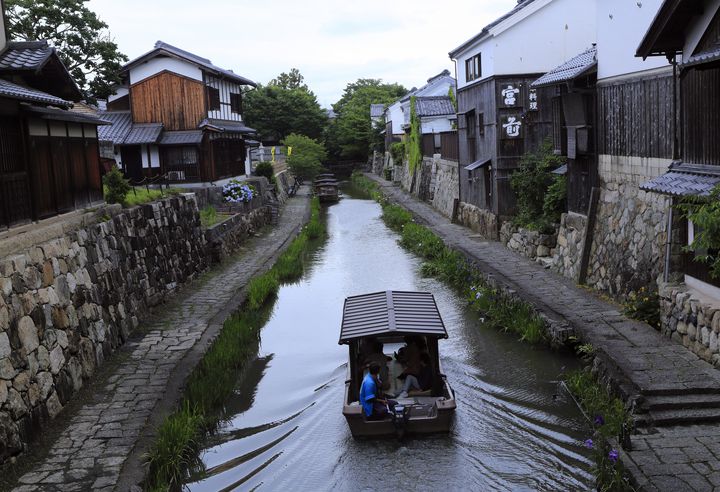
point(238, 192)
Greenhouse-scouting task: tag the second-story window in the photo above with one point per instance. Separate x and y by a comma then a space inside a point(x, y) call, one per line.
point(473, 68)
point(213, 98)
point(236, 103)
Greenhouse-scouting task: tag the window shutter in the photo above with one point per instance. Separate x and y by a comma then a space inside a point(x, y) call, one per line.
point(213, 98)
point(236, 103)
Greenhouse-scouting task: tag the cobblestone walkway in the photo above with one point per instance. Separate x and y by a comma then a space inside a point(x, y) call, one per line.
point(92, 450)
point(676, 388)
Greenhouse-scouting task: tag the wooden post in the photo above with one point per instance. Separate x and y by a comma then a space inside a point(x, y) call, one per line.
point(589, 232)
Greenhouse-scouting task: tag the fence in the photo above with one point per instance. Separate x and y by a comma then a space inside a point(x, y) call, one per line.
point(445, 144)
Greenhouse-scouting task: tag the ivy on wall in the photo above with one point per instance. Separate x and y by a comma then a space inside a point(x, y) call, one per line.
point(414, 145)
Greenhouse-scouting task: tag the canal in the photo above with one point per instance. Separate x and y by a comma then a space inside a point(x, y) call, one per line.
point(283, 428)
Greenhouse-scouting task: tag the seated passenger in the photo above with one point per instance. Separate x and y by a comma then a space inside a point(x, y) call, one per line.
point(374, 406)
point(377, 356)
point(423, 381)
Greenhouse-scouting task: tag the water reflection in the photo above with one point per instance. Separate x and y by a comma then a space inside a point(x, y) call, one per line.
point(513, 429)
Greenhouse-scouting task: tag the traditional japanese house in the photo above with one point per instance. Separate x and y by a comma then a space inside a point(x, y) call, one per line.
point(185, 118)
point(500, 116)
point(49, 160)
point(437, 126)
point(688, 33)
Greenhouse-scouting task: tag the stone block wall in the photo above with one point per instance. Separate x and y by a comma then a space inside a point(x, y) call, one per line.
point(692, 320)
point(531, 244)
point(224, 238)
point(480, 220)
point(570, 242)
point(445, 189)
point(629, 237)
point(67, 303)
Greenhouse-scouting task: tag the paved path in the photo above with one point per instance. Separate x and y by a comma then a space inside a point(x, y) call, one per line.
point(674, 389)
point(100, 439)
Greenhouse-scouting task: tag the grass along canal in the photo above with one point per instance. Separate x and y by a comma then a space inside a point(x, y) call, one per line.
point(280, 426)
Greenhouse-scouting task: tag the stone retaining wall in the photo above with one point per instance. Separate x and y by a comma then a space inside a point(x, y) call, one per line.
point(480, 220)
point(569, 249)
point(67, 303)
point(531, 244)
point(225, 238)
point(446, 186)
point(691, 320)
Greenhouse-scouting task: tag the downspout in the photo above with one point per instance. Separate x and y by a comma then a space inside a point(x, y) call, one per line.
point(676, 156)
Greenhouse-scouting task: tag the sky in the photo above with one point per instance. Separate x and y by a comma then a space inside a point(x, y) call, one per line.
point(332, 43)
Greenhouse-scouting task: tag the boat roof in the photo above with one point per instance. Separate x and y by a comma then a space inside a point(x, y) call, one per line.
point(391, 312)
point(327, 181)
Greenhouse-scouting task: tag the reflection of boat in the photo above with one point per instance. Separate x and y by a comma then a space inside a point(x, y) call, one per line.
point(326, 188)
point(391, 317)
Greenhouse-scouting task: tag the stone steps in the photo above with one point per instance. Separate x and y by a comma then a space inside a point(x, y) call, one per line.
point(678, 416)
point(682, 401)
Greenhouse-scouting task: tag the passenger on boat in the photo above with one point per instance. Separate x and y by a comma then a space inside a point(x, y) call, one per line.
point(409, 356)
point(422, 382)
point(377, 356)
point(374, 406)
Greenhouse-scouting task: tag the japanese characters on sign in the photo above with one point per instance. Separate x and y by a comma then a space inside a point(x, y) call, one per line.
point(511, 126)
point(532, 100)
point(510, 94)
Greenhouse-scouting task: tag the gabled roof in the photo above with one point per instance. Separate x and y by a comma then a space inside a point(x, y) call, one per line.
point(443, 76)
point(486, 30)
point(182, 137)
point(434, 106)
point(14, 91)
point(164, 49)
point(393, 313)
point(377, 110)
point(685, 179)
point(65, 115)
point(571, 69)
point(118, 131)
point(25, 55)
point(143, 133)
point(666, 34)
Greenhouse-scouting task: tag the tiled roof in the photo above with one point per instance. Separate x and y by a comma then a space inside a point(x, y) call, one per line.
point(185, 137)
point(685, 179)
point(25, 55)
point(434, 106)
point(226, 126)
point(143, 133)
point(192, 58)
point(118, 131)
point(14, 91)
point(377, 110)
point(703, 57)
point(66, 115)
point(569, 70)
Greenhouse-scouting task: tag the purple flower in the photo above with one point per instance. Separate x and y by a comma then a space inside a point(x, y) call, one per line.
point(599, 420)
point(589, 443)
point(613, 455)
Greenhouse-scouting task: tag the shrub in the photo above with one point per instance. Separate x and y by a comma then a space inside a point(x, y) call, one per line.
point(307, 155)
point(644, 305)
point(117, 187)
point(397, 151)
point(265, 169)
point(704, 213)
point(238, 192)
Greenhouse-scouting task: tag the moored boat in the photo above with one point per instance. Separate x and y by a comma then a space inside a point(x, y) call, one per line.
point(327, 188)
point(387, 319)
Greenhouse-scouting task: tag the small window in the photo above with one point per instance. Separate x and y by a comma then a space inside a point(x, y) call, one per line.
point(213, 98)
point(481, 124)
point(473, 68)
point(236, 103)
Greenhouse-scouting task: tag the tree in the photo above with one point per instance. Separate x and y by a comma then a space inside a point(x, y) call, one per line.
point(306, 157)
point(283, 107)
point(352, 134)
point(81, 38)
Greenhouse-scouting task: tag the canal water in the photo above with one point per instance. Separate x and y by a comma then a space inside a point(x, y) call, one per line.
point(514, 428)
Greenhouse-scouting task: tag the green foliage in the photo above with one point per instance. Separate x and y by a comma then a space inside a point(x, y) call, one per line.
point(209, 216)
point(644, 305)
point(365, 186)
point(351, 135)
point(265, 169)
point(83, 43)
point(283, 107)
point(397, 151)
point(704, 213)
point(396, 217)
point(307, 155)
point(315, 228)
point(421, 241)
point(453, 99)
point(116, 186)
point(608, 416)
point(261, 288)
point(555, 202)
point(414, 144)
point(531, 184)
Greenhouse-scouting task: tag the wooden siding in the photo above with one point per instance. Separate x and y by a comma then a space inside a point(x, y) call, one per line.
point(448, 145)
point(635, 117)
point(173, 100)
point(701, 116)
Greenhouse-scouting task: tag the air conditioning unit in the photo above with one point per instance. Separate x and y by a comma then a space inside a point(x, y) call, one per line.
point(176, 175)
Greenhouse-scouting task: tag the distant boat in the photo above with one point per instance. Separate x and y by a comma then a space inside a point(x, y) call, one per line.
point(326, 187)
point(390, 318)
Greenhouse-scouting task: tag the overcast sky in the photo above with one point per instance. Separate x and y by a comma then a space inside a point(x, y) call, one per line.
point(330, 42)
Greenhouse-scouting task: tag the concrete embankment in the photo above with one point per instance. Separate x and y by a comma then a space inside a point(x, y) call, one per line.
point(675, 395)
point(97, 441)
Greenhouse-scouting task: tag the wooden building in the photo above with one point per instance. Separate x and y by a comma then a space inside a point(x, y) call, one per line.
point(49, 159)
point(500, 116)
point(180, 117)
point(689, 30)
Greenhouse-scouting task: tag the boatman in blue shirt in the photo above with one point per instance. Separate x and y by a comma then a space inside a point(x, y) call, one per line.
point(374, 406)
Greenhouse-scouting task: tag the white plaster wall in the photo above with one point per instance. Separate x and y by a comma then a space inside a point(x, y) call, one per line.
point(154, 161)
point(436, 125)
point(225, 88)
point(621, 25)
point(487, 48)
point(395, 114)
point(158, 64)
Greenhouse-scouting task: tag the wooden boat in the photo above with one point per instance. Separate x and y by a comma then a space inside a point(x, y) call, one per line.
point(390, 318)
point(327, 189)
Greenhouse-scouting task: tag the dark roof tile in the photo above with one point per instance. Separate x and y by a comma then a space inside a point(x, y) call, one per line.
point(569, 70)
point(14, 91)
point(685, 179)
point(26, 55)
point(434, 106)
point(143, 133)
point(118, 131)
point(184, 137)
